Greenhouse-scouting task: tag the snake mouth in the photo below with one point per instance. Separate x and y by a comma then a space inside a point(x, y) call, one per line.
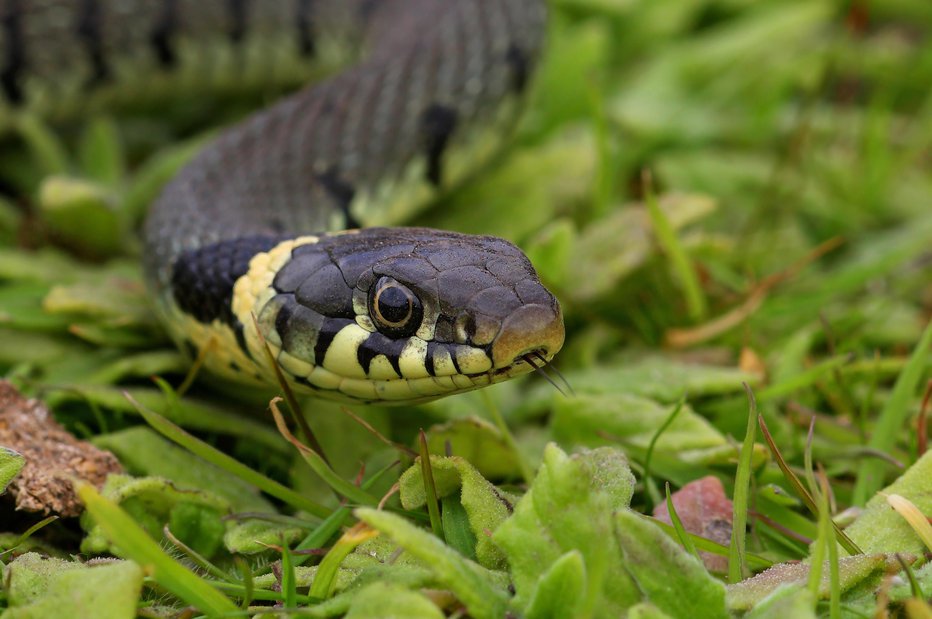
point(530, 332)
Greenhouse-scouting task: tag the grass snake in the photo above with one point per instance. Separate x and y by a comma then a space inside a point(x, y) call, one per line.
point(279, 230)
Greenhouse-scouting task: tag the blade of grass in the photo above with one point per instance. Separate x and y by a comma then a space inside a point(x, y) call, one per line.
point(196, 557)
point(737, 563)
point(678, 525)
point(430, 488)
point(892, 419)
point(246, 578)
point(922, 423)
point(289, 583)
point(29, 533)
point(319, 465)
point(914, 587)
point(328, 528)
point(832, 547)
point(800, 489)
point(213, 455)
point(325, 578)
point(679, 260)
point(135, 544)
point(648, 480)
point(706, 545)
point(823, 541)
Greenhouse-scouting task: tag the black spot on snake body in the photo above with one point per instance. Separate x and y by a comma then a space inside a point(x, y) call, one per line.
point(377, 344)
point(304, 22)
point(88, 29)
point(325, 336)
point(520, 67)
point(237, 10)
point(438, 123)
point(299, 333)
point(14, 54)
point(162, 34)
point(432, 348)
point(240, 333)
point(341, 192)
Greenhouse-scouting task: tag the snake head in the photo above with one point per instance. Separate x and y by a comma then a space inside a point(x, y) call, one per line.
point(406, 314)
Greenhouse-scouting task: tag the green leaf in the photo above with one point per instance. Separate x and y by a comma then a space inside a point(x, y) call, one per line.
point(151, 501)
point(593, 419)
point(615, 246)
point(561, 590)
point(84, 214)
point(570, 506)
point(880, 529)
point(11, 463)
point(668, 577)
point(653, 376)
point(477, 441)
point(133, 542)
point(790, 600)
point(457, 532)
point(486, 507)
point(464, 578)
point(388, 601)
point(852, 572)
point(39, 588)
point(145, 453)
point(199, 527)
point(101, 151)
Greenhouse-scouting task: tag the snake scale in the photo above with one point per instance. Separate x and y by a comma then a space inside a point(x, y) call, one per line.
point(277, 232)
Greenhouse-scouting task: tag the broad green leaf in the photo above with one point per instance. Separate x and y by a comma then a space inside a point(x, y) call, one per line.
point(467, 580)
point(853, 571)
point(486, 506)
point(790, 600)
point(651, 376)
point(570, 506)
point(595, 419)
point(387, 601)
point(144, 452)
point(478, 442)
point(561, 590)
point(11, 463)
point(40, 588)
point(880, 529)
point(151, 501)
point(84, 214)
point(668, 577)
point(131, 541)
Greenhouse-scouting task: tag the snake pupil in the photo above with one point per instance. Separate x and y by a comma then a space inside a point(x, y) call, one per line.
point(395, 309)
point(394, 305)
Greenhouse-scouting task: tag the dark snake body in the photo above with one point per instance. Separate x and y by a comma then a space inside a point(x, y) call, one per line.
point(249, 233)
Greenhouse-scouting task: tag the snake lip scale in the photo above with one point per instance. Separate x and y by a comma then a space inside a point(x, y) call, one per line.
point(279, 231)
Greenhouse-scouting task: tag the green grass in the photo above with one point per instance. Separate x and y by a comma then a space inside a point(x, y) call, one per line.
point(781, 238)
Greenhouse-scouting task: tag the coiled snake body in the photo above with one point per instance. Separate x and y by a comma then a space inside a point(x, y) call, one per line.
point(260, 238)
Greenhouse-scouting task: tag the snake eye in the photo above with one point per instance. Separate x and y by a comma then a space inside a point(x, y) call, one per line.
point(395, 310)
